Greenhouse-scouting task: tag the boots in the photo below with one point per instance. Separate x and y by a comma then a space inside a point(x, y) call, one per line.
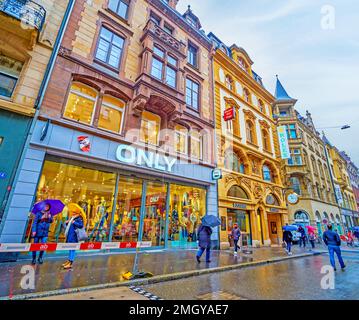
point(64, 264)
point(68, 266)
point(40, 260)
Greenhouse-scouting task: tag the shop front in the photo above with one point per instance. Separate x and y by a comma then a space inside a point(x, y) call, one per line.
point(128, 194)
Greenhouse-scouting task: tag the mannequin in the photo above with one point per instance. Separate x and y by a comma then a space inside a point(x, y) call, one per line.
point(192, 228)
point(184, 225)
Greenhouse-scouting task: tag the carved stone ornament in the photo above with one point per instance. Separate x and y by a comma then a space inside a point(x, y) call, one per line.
point(139, 106)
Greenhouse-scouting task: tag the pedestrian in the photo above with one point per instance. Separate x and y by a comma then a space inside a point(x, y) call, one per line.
point(76, 222)
point(236, 234)
point(40, 230)
point(288, 240)
point(332, 240)
point(302, 238)
point(204, 242)
point(312, 239)
point(350, 239)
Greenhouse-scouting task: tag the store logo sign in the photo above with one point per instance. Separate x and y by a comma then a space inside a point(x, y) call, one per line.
point(134, 156)
point(283, 142)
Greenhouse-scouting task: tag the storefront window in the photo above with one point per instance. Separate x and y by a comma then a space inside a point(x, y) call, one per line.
point(92, 190)
point(81, 103)
point(243, 220)
point(154, 223)
point(187, 208)
point(128, 210)
point(111, 114)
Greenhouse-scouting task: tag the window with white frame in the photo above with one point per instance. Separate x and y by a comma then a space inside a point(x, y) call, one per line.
point(295, 158)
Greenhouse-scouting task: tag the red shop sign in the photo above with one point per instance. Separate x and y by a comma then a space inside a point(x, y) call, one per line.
point(91, 246)
point(43, 247)
point(128, 245)
point(229, 114)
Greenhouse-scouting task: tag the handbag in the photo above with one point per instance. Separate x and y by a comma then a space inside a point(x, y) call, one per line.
point(81, 234)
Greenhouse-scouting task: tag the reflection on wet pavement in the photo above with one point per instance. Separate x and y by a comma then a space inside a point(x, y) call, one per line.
point(293, 280)
point(108, 268)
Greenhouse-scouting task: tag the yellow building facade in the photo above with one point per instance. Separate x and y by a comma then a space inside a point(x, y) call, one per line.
point(250, 192)
point(306, 172)
point(343, 187)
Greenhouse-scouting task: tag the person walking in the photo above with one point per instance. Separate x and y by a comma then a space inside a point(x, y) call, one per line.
point(288, 240)
point(312, 239)
point(76, 222)
point(204, 242)
point(236, 234)
point(302, 239)
point(40, 230)
point(332, 240)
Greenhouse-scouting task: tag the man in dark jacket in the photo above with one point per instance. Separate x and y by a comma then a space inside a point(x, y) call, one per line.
point(332, 240)
point(40, 230)
point(303, 237)
point(288, 239)
point(204, 242)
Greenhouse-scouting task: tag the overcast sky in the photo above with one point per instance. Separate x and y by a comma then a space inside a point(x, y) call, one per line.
point(318, 66)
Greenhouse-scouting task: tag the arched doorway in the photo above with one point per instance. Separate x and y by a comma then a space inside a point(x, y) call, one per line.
point(301, 218)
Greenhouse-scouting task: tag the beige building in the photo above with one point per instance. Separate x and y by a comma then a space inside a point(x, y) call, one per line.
point(306, 172)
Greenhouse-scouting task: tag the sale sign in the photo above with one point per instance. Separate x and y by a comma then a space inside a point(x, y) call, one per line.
point(229, 114)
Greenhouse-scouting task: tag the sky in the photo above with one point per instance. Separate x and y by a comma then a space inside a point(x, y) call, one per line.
point(313, 45)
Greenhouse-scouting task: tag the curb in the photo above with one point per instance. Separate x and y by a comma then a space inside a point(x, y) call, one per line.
point(158, 279)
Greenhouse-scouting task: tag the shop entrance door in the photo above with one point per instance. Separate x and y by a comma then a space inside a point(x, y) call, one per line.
point(242, 218)
point(186, 209)
point(274, 228)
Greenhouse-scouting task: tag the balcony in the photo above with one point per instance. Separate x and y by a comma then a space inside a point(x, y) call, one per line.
point(26, 11)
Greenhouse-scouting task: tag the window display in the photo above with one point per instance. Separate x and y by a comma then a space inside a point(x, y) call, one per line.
point(187, 208)
point(243, 220)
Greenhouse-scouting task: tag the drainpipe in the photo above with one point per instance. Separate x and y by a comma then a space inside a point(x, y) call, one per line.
point(38, 103)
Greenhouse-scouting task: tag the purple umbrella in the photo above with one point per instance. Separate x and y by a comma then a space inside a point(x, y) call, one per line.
point(56, 206)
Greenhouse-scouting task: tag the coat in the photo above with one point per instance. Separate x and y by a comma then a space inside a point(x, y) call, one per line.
point(71, 235)
point(331, 238)
point(204, 236)
point(302, 233)
point(287, 237)
point(236, 234)
point(41, 227)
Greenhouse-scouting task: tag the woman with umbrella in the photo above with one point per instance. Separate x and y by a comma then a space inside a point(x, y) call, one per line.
point(311, 236)
point(77, 222)
point(288, 237)
point(44, 212)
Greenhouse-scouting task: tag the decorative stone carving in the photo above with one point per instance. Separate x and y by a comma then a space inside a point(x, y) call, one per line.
point(138, 106)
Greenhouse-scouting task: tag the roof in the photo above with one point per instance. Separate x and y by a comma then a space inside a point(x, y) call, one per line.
point(281, 94)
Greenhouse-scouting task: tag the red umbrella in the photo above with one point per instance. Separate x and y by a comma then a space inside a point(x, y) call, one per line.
point(311, 229)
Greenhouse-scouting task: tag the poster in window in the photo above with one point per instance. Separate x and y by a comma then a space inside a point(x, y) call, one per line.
point(273, 226)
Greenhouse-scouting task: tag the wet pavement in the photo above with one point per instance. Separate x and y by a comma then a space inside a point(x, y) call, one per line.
point(298, 279)
point(108, 268)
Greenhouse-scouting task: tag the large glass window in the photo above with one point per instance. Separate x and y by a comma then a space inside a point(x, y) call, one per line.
point(295, 185)
point(292, 131)
point(10, 70)
point(150, 128)
point(92, 190)
point(187, 208)
point(154, 223)
point(196, 145)
point(110, 48)
point(295, 157)
point(127, 218)
point(241, 218)
point(192, 55)
point(192, 94)
point(181, 139)
point(164, 67)
point(233, 162)
point(120, 7)
point(237, 192)
point(81, 103)
point(111, 114)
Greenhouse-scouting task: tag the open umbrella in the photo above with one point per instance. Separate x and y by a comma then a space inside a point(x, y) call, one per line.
point(290, 228)
point(356, 229)
point(311, 229)
point(56, 206)
point(211, 221)
point(74, 208)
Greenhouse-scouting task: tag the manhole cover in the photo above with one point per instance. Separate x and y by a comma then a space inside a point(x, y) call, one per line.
point(220, 295)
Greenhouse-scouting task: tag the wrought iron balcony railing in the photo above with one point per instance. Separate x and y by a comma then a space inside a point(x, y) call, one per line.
point(27, 11)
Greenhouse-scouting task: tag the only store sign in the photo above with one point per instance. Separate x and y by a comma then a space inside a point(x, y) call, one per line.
point(283, 142)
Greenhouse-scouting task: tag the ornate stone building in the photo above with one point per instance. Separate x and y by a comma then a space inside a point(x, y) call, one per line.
point(251, 192)
point(306, 172)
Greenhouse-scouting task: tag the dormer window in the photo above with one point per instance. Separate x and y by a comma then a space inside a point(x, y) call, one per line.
point(243, 65)
point(191, 22)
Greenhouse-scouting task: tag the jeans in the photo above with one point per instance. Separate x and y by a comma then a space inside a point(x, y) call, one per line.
point(338, 252)
point(208, 253)
point(72, 255)
point(302, 241)
point(39, 240)
point(312, 242)
point(289, 247)
point(236, 245)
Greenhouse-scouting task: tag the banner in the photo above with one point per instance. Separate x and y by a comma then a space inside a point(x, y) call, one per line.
point(283, 142)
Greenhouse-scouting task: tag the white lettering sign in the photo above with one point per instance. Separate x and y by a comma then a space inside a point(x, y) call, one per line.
point(131, 155)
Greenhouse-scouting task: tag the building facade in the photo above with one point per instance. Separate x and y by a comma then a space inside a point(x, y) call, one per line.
point(250, 193)
point(342, 184)
point(126, 128)
point(306, 172)
point(28, 31)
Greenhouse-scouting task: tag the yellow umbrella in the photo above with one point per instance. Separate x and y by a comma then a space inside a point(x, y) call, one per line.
point(76, 209)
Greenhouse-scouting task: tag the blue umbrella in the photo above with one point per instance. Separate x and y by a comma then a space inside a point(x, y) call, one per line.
point(290, 228)
point(211, 221)
point(56, 206)
point(356, 229)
